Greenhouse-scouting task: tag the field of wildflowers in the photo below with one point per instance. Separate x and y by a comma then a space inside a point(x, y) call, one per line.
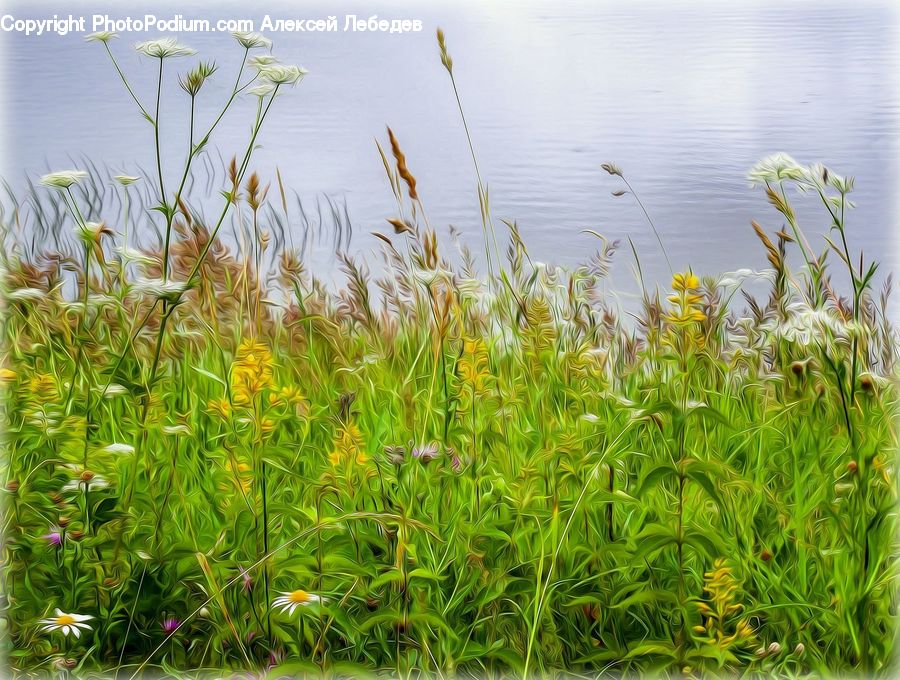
point(215, 463)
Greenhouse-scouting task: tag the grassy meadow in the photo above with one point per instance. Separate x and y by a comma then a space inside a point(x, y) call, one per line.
point(215, 462)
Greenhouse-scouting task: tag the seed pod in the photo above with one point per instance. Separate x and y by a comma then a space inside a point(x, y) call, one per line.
point(852, 467)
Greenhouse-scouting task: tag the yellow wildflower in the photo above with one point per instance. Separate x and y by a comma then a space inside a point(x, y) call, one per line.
point(289, 394)
point(685, 282)
point(42, 388)
point(349, 447)
point(238, 475)
point(251, 372)
point(686, 304)
point(220, 407)
point(473, 364)
point(719, 608)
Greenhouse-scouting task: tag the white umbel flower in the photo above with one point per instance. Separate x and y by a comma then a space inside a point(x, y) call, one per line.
point(163, 48)
point(250, 39)
point(63, 179)
point(288, 602)
point(101, 36)
point(776, 168)
point(282, 74)
point(262, 90)
point(258, 61)
point(129, 255)
point(67, 623)
point(164, 290)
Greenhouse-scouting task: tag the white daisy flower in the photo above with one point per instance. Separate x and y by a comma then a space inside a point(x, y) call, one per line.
point(288, 602)
point(63, 179)
point(164, 47)
point(67, 623)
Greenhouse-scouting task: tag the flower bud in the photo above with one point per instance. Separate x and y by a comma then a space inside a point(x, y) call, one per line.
point(774, 648)
point(799, 649)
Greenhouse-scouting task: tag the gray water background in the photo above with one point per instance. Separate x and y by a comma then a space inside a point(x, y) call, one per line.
point(684, 97)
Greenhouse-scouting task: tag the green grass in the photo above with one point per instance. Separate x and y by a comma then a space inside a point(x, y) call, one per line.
point(456, 474)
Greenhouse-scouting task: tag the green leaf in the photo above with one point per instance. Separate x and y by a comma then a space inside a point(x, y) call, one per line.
point(652, 648)
point(701, 542)
point(211, 376)
point(699, 476)
point(655, 476)
point(646, 597)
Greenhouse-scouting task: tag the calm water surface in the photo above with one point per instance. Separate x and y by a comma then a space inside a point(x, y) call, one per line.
point(684, 97)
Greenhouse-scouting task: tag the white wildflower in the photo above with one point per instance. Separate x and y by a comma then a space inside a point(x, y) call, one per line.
point(67, 623)
point(262, 90)
point(133, 255)
point(158, 288)
point(258, 61)
point(776, 168)
point(163, 48)
point(288, 602)
point(250, 39)
point(63, 179)
point(282, 74)
point(101, 36)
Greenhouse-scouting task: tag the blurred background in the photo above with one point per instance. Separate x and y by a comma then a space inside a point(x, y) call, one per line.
point(684, 97)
